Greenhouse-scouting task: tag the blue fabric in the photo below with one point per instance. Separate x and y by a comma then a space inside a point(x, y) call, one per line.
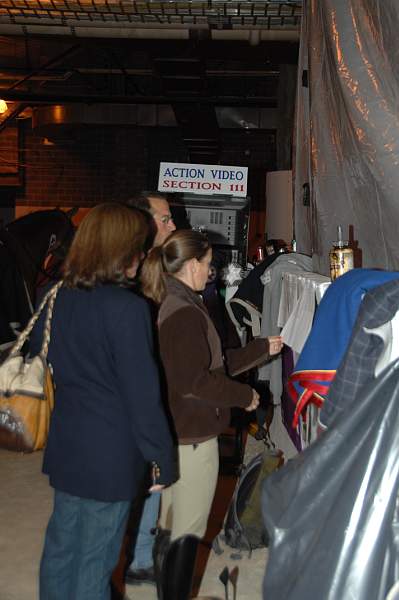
point(81, 549)
point(108, 423)
point(334, 320)
point(357, 369)
point(144, 537)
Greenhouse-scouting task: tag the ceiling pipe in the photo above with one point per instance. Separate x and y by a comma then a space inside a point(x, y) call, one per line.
point(10, 73)
point(34, 98)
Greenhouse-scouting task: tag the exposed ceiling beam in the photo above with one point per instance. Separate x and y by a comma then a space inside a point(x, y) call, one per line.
point(49, 63)
point(60, 74)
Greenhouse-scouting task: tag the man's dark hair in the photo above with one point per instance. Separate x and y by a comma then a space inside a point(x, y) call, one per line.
point(142, 201)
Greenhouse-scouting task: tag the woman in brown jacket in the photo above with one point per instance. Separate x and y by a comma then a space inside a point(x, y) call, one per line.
point(200, 393)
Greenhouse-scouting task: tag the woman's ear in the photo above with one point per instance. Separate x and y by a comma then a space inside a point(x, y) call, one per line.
point(193, 265)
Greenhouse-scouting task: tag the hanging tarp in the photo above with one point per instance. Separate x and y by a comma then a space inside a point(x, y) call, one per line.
point(332, 512)
point(347, 130)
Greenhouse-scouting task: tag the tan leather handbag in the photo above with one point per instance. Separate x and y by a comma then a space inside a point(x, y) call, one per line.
point(26, 389)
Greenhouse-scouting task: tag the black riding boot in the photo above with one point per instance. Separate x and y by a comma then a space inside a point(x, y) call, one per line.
point(178, 568)
point(160, 549)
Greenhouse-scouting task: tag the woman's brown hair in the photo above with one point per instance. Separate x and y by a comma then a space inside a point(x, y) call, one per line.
point(107, 242)
point(178, 248)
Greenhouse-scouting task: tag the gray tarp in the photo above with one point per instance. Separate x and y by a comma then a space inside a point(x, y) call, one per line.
point(347, 129)
point(332, 512)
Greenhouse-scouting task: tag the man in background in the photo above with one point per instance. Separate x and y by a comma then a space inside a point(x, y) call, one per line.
point(141, 569)
point(157, 206)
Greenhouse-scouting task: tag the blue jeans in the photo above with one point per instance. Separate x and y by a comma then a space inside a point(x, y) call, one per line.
point(81, 549)
point(143, 537)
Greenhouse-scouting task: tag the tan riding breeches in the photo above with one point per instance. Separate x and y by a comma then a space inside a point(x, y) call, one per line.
point(186, 504)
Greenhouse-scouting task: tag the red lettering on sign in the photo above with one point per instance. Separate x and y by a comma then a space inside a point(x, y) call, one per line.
point(236, 187)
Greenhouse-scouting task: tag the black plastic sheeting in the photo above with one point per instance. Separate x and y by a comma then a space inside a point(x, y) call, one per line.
point(332, 512)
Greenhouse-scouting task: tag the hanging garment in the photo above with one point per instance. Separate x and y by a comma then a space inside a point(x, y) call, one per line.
point(325, 347)
point(251, 290)
point(380, 306)
point(272, 279)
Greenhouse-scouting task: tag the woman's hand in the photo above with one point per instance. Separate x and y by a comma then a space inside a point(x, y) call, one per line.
point(155, 475)
point(254, 403)
point(275, 344)
point(156, 488)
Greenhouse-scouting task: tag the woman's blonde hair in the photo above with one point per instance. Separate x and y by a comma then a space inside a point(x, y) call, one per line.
point(178, 248)
point(107, 242)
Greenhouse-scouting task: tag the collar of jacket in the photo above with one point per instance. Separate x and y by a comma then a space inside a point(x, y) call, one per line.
point(175, 287)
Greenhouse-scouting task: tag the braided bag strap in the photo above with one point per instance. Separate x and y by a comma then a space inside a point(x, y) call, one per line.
point(47, 323)
point(24, 335)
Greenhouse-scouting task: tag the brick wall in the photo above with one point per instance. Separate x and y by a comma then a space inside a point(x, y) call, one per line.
point(81, 166)
point(10, 171)
point(85, 165)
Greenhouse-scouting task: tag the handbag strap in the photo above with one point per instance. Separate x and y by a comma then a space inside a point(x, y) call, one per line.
point(50, 299)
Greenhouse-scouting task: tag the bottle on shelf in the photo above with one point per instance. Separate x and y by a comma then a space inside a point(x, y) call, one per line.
point(341, 256)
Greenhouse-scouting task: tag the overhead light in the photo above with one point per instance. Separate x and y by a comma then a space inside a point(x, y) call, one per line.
point(3, 107)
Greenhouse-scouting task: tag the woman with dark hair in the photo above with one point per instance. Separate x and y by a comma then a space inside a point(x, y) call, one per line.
point(108, 428)
point(200, 393)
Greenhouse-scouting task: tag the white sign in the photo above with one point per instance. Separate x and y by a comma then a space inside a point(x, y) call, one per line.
point(203, 179)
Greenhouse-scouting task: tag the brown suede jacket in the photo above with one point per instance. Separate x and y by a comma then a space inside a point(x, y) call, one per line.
point(200, 393)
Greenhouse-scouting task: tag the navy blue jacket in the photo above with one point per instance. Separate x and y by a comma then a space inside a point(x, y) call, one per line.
point(108, 422)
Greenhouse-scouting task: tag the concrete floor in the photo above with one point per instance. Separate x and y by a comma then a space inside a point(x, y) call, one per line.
point(25, 506)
